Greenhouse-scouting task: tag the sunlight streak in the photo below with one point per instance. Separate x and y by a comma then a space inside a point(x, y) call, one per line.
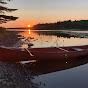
point(29, 32)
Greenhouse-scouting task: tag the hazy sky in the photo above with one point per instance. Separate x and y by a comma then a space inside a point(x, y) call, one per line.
point(46, 11)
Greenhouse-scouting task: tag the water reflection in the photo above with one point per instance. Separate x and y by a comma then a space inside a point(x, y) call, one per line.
point(48, 39)
point(29, 31)
point(40, 68)
point(56, 33)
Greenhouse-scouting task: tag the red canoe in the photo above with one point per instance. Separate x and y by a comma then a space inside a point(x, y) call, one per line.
point(49, 53)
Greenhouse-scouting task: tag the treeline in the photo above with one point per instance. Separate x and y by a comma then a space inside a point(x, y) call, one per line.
point(81, 25)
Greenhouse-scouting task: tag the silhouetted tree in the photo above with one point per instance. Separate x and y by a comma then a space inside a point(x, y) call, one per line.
point(5, 18)
point(81, 24)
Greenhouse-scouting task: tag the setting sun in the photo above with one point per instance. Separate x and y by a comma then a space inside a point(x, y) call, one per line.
point(29, 25)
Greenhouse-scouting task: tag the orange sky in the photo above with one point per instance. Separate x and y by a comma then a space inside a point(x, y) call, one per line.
point(46, 11)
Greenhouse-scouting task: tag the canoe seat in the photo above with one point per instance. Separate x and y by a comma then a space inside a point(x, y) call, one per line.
point(77, 49)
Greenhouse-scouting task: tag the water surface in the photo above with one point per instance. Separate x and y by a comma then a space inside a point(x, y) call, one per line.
point(73, 74)
point(51, 39)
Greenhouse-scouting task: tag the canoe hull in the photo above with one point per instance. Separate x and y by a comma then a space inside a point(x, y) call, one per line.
point(9, 55)
point(60, 56)
point(43, 54)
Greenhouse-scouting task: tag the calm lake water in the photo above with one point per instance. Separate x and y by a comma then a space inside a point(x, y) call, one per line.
point(74, 74)
point(52, 38)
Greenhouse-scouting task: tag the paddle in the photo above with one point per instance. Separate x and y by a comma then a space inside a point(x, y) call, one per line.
point(25, 62)
point(27, 50)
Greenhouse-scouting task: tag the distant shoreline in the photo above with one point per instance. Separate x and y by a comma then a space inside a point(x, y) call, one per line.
point(63, 25)
point(47, 29)
point(19, 28)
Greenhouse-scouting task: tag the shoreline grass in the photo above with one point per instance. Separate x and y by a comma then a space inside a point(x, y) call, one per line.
point(4, 33)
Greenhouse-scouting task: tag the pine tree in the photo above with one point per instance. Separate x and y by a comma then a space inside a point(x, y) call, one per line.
point(4, 18)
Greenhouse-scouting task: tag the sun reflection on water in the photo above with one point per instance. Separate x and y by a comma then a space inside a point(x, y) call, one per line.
point(29, 31)
point(41, 40)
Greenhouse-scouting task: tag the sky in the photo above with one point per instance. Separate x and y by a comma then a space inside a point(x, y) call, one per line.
point(46, 11)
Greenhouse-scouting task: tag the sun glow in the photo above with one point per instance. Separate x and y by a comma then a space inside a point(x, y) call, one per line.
point(29, 25)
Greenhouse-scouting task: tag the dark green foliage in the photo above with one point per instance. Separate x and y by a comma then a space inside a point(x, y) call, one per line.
point(82, 24)
point(5, 18)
